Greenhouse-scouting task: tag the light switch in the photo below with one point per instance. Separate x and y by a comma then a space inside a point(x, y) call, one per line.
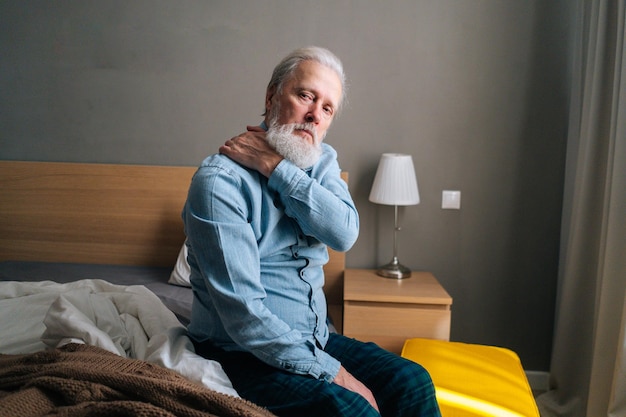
point(451, 200)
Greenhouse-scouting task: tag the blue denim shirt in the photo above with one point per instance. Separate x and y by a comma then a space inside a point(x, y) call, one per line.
point(256, 251)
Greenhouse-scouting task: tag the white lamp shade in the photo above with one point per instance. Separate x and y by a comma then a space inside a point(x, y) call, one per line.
point(395, 183)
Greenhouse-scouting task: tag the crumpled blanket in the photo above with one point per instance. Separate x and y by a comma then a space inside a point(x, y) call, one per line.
point(128, 320)
point(82, 380)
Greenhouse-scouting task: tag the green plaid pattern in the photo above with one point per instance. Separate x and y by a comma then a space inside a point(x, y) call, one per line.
point(401, 387)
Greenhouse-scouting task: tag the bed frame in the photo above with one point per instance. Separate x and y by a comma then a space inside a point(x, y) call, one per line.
point(107, 214)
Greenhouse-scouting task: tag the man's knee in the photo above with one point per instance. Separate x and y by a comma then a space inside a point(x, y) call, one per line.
point(415, 378)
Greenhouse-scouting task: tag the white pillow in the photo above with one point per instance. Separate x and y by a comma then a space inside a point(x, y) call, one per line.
point(180, 273)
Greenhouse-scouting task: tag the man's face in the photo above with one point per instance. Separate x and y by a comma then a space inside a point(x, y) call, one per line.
point(312, 95)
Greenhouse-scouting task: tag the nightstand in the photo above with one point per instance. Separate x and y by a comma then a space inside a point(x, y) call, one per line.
point(389, 311)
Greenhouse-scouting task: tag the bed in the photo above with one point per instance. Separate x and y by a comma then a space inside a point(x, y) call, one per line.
point(93, 279)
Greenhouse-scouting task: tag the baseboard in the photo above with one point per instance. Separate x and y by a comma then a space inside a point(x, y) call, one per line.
point(539, 380)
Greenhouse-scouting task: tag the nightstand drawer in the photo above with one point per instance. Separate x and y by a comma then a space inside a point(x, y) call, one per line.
point(390, 324)
point(388, 311)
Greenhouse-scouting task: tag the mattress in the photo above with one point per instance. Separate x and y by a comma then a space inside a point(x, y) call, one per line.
point(176, 298)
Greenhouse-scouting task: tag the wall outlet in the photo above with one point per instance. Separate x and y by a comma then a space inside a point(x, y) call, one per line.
point(451, 200)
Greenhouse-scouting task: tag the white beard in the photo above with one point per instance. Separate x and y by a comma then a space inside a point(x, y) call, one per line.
point(293, 147)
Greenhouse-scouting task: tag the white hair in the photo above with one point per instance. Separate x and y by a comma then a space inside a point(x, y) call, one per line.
point(289, 64)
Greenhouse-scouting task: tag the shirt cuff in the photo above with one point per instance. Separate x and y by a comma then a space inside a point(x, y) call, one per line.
point(327, 368)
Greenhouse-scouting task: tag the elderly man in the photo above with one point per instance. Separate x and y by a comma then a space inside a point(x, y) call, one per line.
point(258, 218)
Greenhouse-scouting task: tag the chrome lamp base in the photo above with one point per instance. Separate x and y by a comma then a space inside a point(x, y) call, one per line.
point(394, 269)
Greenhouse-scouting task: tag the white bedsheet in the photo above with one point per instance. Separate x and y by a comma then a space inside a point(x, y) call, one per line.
point(128, 320)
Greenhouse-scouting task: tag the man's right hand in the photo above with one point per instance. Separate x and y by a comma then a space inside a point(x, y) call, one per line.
point(251, 150)
point(346, 380)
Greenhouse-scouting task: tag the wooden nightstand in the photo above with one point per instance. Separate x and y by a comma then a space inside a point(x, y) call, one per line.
point(389, 311)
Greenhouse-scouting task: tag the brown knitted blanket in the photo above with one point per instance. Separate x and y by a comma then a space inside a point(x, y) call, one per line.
point(82, 380)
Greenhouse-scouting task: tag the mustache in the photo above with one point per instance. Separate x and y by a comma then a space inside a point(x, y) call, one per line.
point(291, 127)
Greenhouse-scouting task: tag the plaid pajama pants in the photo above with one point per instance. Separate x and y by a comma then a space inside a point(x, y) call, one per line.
point(401, 387)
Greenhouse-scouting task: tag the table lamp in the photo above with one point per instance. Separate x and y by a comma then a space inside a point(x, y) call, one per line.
point(395, 185)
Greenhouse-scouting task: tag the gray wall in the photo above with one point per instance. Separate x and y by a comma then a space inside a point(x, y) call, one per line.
point(475, 90)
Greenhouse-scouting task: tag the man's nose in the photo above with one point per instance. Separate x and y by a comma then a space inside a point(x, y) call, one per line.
point(313, 115)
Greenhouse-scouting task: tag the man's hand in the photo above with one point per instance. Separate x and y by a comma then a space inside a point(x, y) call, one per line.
point(251, 150)
point(346, 380)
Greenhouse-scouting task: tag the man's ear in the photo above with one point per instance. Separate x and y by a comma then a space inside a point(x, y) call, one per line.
point(269, 94)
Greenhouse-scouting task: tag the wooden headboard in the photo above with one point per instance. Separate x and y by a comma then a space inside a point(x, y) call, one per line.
point(106, 214)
